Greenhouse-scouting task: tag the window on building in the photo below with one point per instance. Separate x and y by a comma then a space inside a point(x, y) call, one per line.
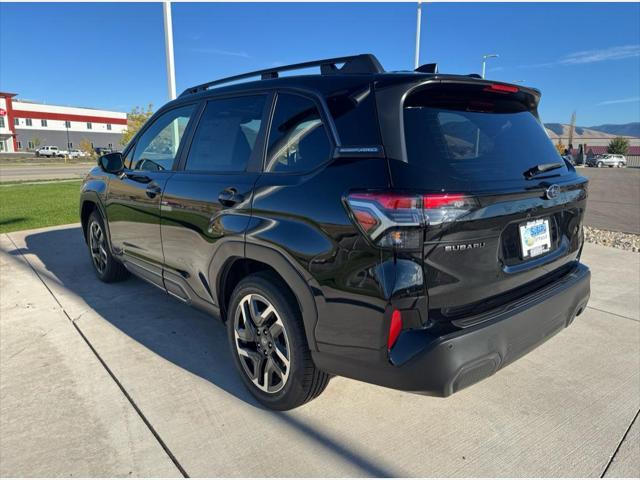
point(110, 145)
point(298, 141)
point(19, 145)
point(43, 122)
point(226, 134)
point(89, 126)
point(67, 124)
point(29, 122)
point(1, 145)
point(16, 121)
point(1, 122)
point(30, 145)
point(70, 145)
point(108, 126)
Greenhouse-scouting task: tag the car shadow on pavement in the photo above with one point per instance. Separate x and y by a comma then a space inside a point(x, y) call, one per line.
point(182, 335)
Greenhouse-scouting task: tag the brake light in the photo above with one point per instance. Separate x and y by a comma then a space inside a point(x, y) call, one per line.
point(498, 87)
point(396, 220)
point(439, 200)
point(394, 328)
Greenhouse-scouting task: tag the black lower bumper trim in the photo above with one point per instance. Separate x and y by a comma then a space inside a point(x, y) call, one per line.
point(443, 365)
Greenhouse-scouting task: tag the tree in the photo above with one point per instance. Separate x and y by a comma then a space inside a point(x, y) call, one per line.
point(86, 147)
point(619, 145)
point(35, 141)
point(135, 120)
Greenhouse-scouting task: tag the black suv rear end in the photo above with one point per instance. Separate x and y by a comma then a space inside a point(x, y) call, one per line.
point(413, 230)
point(480, 233)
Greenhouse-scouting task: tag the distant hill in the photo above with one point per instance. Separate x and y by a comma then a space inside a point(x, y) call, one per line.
point(601, 131)
point(556, 130)
point(627, 129)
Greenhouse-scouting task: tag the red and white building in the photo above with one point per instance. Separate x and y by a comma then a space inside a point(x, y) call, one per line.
point(26, 125)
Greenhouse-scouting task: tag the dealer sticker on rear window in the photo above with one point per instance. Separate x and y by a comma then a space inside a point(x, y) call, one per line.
point(535, 238)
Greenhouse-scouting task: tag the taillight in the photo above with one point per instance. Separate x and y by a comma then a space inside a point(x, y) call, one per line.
point(394, 328)
point(446, 207)
point(397, 220)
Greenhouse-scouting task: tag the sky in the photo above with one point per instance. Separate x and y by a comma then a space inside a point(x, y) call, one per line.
point(583, 57)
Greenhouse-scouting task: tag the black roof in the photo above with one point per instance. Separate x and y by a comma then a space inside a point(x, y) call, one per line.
point(354, 70)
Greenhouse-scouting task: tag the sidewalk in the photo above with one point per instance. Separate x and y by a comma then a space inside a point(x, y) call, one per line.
point(565, 409)
point(61, 414)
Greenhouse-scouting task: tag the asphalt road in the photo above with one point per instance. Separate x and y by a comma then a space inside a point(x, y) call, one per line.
point(12, 173)
point(123, 380)
point(614, 199)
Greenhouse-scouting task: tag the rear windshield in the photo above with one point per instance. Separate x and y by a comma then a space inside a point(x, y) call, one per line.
point(474, 138)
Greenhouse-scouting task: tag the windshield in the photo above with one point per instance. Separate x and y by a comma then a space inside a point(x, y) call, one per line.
point(459, 146)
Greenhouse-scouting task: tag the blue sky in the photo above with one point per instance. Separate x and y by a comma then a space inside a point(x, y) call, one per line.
point(584, 57)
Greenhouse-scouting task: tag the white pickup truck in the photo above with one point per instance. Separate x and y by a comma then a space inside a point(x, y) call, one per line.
point(51, 151)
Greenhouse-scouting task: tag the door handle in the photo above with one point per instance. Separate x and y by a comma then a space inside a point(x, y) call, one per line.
point(153, 189)
point(230, 197)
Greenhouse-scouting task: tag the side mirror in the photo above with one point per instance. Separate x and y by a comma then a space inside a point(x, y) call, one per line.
point(111, 162)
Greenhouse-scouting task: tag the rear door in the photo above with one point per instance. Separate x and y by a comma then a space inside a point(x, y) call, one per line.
point(503, 211)
point(207, 202)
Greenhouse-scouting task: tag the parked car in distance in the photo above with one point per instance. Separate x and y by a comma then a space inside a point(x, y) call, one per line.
point(608, 160)
point(76, 153)
point(50, 151)
point(413, 230)
point(103, 150)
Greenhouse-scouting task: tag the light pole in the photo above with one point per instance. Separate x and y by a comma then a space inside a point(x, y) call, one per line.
point(416, 61)
point(168, 45)
point(484, 67)
point(484, 61)
point(66, 125)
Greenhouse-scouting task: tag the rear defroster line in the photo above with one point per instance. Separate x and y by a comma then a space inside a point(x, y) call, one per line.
point(106, 367)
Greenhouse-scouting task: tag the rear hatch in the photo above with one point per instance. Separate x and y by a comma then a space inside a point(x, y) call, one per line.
point(502, 210)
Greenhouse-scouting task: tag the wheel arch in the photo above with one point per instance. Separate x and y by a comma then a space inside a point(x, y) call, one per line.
point(259, 258)
point(90, 201)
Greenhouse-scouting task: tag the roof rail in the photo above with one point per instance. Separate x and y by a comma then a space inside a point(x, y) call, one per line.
point(364, 63)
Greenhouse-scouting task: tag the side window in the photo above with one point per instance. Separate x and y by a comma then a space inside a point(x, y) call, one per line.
point(298, 141)
point(158, 146)
point(226, 134)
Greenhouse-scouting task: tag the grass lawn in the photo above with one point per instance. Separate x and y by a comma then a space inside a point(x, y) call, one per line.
point(23, 207)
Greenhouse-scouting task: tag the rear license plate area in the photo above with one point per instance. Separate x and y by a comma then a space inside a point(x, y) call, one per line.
point(535, 238)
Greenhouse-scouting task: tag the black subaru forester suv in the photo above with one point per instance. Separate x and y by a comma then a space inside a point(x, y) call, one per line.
point(409, 229)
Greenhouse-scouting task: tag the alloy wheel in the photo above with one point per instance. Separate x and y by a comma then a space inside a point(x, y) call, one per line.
point(262, 343)
point(98, 247)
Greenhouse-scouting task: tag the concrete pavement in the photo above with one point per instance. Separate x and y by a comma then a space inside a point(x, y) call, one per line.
point(21, 172)
point(565, 409)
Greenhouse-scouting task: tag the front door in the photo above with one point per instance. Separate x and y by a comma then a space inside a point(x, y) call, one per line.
point(133, 200)
point(207, 202)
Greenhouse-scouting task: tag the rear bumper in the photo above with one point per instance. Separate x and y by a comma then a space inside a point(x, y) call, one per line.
point(440, 366)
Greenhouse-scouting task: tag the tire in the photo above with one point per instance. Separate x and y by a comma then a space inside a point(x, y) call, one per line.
point(599, 164)
point(105, 266)
point(285, 377)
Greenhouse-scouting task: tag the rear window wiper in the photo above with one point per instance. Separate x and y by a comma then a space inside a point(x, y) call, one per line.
point(541, 168)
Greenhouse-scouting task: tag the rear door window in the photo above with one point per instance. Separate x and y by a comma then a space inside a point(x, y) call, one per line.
point(226, 134)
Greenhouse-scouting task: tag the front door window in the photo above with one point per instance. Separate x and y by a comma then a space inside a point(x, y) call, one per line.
point(158, 146)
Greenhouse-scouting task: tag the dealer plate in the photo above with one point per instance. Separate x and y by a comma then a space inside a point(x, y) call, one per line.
point(535, 238)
